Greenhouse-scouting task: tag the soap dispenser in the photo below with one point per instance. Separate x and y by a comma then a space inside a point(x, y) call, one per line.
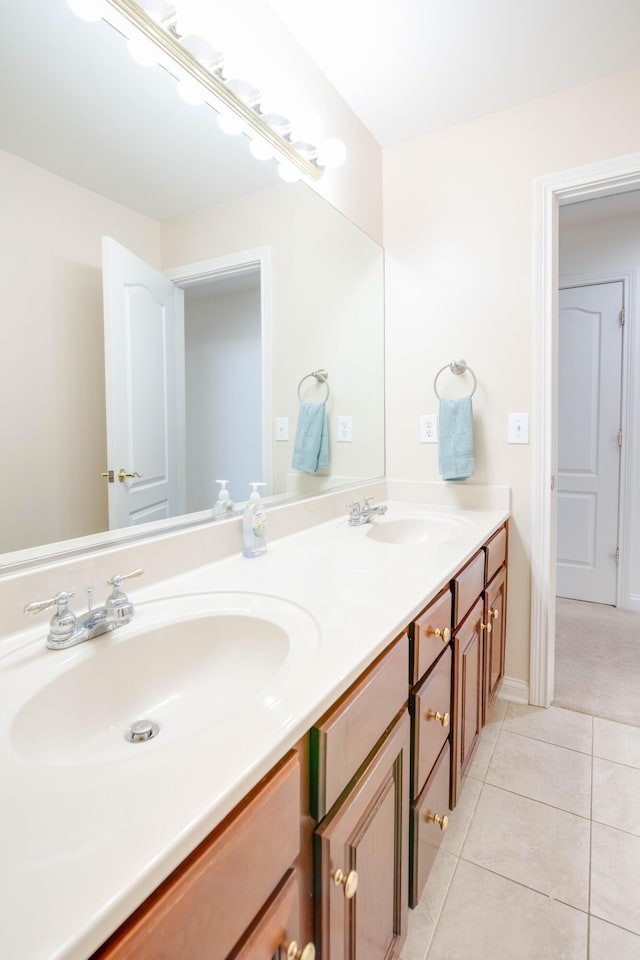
point(224, 503)
point(254, 525)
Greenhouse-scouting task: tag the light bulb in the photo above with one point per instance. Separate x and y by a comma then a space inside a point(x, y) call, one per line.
point(143, 51)
point(230, 123)
point(332, 153)
point(262, 149)
point(158, 10)
point(191, 91)
point(202, 50)
point(89, 10)
point(288, 171)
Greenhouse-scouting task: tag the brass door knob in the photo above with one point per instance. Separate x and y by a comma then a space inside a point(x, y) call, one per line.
point(122, 474)
point(347, 880)
point(436, 715)
point(486, 626)
point(442, 822)
point(294, 952)
point(495, 613)
point(444, 634)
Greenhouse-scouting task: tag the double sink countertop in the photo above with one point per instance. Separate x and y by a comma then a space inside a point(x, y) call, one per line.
point(86, 837)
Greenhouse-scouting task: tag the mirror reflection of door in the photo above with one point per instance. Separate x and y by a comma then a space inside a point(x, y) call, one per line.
point(589, 416)
point(184, 388)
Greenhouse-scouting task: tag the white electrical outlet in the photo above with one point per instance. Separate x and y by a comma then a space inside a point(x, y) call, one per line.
point(344, 429)
point(282, 428)
point(518, 428)
point(428, 428)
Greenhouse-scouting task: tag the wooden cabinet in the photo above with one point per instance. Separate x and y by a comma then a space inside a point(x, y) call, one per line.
point(429, 820)
point(467, 694)
point(495, 615)
point(360, 791)
point(365, 835)
point(206, 906)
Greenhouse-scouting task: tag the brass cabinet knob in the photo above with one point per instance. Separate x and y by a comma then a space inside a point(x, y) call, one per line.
point(495, 613)
point(436, 715)
point(347, 880)
point(122, 474)
point(486, 626)
point(294, 952)
point(442, 822)
point(445, 634)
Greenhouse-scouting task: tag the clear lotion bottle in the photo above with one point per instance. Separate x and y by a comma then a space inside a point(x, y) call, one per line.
point(254, 525)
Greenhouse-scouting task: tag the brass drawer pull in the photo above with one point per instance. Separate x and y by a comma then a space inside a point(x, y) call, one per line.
point(442, 822)
point(348, 880)
point(436, 715)
point(445, 634)
point(294, 952)
point(486, 626)
point(495, 613)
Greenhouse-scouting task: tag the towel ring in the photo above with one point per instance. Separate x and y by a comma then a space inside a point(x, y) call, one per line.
point(457, 367)
point(321, 376)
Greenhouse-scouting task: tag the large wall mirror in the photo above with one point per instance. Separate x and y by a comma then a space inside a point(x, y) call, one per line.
point(273, 282)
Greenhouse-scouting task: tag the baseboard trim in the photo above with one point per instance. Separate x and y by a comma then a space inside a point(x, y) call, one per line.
point(634, 602)
point(515, 690)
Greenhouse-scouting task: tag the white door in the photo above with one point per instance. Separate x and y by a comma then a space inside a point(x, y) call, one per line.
point(145, 382)
point(589, 396)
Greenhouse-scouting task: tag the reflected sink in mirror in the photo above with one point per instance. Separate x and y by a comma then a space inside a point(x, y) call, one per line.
point(183, 663)
point(423, 529)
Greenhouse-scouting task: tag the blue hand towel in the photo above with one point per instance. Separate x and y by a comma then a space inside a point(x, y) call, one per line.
point(455, 439)
point(311, 447)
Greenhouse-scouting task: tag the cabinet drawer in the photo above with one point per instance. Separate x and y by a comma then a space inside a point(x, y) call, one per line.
point(343, 739)
point(426, 645)
point(206, 905)
point(276, 926)
point(428, 731)
point(496, 551)
point(425, 832)
point(467, 587)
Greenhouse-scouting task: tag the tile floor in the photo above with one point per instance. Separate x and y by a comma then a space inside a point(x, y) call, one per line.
point(541, 860)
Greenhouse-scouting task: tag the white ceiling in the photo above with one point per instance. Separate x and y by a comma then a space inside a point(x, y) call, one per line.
point(408, 67)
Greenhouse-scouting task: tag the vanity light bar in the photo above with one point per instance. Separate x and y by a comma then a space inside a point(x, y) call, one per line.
point(171, 45)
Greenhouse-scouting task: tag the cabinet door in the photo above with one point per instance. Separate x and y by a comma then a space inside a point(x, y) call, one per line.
point(366, 832)
point(467, 694)
point(495, 616)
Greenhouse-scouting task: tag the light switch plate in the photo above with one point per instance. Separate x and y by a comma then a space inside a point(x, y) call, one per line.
point(428, 428)
point(282, 428)
point(518, 428)
point(344, 429)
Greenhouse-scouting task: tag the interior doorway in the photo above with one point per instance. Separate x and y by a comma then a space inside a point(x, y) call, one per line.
point(616, 176)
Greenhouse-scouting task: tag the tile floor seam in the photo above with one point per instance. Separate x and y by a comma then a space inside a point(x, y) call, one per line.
point(551, 743)
point(610, 826)
point(542, 803)
point(612, 923)
point(442, 906)
point(525, 886)
point(627, 766)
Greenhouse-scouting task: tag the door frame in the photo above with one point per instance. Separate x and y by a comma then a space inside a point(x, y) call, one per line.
point(549, 192)
point(226, 266)
point(626, 387)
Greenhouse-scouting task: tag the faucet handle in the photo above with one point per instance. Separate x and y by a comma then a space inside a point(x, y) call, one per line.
point(63, 623)
point(61, 599)
point(117, 578)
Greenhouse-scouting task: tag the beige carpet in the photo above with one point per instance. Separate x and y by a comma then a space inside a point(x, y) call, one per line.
point(598, 660)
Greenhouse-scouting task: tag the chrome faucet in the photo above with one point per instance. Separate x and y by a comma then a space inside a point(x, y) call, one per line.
point(66, 629)
point(359, 515)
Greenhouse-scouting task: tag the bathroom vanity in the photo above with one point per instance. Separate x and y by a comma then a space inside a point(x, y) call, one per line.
point(308, 816)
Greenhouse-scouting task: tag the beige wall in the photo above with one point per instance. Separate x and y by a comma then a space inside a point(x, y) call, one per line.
point(327, 311)
point(458, 232)
point(51, 343)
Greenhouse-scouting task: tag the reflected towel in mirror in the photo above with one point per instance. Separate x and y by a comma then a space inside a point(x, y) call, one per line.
point(455, 439)
point(311, 447)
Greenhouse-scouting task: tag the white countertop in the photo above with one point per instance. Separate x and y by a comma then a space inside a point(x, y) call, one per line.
point(84, 844)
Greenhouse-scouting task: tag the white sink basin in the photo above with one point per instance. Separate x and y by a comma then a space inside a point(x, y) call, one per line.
point(182, 663)
point(423, 529)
